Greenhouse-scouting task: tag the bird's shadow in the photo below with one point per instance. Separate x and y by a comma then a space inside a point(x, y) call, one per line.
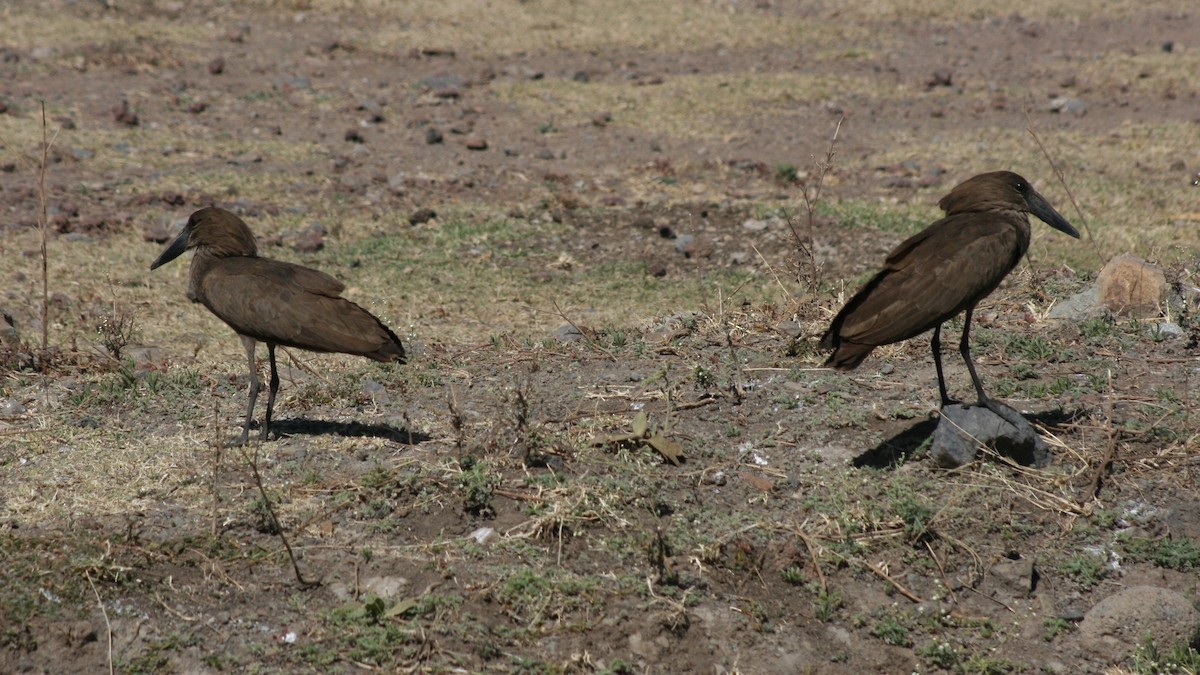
point(900, 448)
point(351, 429)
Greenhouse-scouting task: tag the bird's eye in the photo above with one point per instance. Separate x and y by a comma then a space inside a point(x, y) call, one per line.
point(1020, 186)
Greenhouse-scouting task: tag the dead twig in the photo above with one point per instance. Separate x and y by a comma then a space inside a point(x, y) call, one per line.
point(262, 491)
point(1110, 448)
point(878, 570)
point(107, 624)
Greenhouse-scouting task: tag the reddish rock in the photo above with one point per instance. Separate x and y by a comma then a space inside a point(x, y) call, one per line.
point(1129, 286)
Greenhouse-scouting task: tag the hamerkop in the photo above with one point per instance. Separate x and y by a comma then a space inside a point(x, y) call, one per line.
point(943, 270)
point(271, 301)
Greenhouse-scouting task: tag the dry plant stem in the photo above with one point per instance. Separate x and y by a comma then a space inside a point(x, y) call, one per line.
point(942, 572)
point(811, 199)
point(262, 491)
point(1110, 448)
point(44, 228)
point(592, 344)
point(812, 553)
point(219, 448)
point(107, 624)
point(877, 569)
point(1061, 179)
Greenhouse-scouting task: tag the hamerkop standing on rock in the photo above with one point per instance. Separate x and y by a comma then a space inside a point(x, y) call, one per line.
point(943, 270)
point(270, 301)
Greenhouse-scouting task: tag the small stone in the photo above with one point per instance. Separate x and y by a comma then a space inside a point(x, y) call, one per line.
point(1167, 330)
point(476, 143)
point(739, 258)
point(791, 329)
point(198, 107)
point(354, 136)
point(376, 392)
point(1016, 576)
point(421, 216)
point(433, 136)
point(123, 114)
point(1070, 106)
point(656, 269)
point(942, 77)
point(216, 66)
point(1129, 286)
point(567, 333)
point(754, 225)
point(581, 76)
point(602, 118)
point(10, 407)
point(683, 242)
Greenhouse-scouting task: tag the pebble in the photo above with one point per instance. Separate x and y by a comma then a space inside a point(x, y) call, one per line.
point(1072, 106)
point(421, 216)
point(216, 66)
point(567, 333)
point(433, 136)
point(9, 406)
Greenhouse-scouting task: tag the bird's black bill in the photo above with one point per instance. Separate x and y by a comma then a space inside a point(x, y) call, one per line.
point(173, 251)
point(1039, 207)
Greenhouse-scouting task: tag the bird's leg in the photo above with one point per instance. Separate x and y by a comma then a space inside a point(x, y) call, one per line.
point(255, 386)
point(936, 345)
point(964, 348)
point(270, 392)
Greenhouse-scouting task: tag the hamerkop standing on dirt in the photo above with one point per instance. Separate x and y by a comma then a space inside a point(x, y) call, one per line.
point(270, 301)
point(943, 270)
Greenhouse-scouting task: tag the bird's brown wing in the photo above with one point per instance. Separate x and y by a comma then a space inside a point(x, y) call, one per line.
point(294, 306)
point(928, 279)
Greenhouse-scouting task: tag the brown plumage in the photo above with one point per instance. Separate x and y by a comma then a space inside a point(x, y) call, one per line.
point(271, 301)
point(942, 271)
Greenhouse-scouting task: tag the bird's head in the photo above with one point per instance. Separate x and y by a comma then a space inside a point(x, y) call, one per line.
point(999, 191)
point(214, 231)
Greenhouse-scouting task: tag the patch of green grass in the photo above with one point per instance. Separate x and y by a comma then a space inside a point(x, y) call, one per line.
point(826, 604)
point(856, 214)
point(1086, 569)
point(1055, 627)
point(1149, 659)
point(989, 665)
point(1177, 553)
point(892, 632)
point(478, 482)
point(542, 598)
point(940, 655)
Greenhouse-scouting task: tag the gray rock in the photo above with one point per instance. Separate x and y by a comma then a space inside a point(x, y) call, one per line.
point(567, 333)
point(1167, 330)
point(754, 225)
point(683, 241)
point(1083, 305)
point(962, 429)
point(1118, 624)
point(791, 329)
point(1015, 576)
point(10, 407)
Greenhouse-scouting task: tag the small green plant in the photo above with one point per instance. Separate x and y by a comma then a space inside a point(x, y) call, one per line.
point(940, 654)
point(827, 604)
point(1085, 569)
point(1150, 660)
point(1055, 627)
point(1177, 553)
point(792, 574)
point(988, 665)
point(787, 174)
point(892, 632)
point(704, 377)
point(477, 483)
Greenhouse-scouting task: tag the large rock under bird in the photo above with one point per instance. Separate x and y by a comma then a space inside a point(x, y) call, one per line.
point(944, 271)
point(271, 301)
